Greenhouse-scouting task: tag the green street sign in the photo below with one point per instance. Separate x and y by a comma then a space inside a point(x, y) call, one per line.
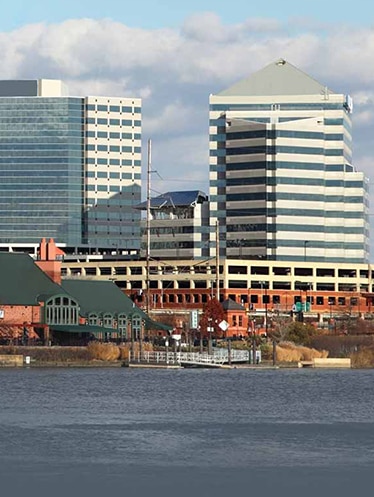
point(302, 306)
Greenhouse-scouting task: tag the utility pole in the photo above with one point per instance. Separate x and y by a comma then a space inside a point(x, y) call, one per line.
point(148, 227)
point(217, 260)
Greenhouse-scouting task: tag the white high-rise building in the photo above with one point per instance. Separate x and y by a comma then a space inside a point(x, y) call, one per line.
point(282, 182)
point(113, 171)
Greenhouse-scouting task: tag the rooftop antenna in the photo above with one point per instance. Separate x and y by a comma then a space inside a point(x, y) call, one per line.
point(148, 225)
point(217, 260)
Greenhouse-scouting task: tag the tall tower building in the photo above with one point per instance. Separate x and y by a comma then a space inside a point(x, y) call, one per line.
point(70, 167)
point(282, 182)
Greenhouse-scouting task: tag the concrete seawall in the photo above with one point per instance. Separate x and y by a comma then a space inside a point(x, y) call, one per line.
point(328, 362)
point(11, 360)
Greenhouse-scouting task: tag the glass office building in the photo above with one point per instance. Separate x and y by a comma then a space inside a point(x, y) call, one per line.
point(282, 182)
point(61, 177)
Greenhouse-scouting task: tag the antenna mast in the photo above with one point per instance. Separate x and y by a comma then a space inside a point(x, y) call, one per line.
point(148, 226)
point(217, 260)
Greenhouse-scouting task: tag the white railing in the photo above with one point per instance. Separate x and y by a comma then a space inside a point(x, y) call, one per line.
point(218, 357)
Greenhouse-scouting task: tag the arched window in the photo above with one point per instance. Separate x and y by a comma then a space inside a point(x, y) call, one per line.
point(136, 326)
point(61, 310)
point(122, 326)
point(108, 320)
point(93, 319)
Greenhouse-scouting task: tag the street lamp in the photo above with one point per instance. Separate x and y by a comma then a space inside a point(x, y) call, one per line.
point(299, 309)
point(265, 301)
point(210, 330)
point(305, 244)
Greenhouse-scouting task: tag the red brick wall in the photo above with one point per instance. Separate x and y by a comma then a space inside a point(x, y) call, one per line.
point(17, 314)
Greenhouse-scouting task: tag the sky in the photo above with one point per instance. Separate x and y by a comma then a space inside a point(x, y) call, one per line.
point(173, 54)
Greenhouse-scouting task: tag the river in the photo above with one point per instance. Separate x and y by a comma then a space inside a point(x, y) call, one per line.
point(189, 432)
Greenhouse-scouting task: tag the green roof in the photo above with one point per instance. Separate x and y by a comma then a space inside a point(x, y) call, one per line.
point(81, 328)
point(96, 296)
point(22, 282)
point(99, 296)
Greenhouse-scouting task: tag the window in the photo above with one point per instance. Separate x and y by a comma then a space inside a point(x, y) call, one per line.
point(61, 310)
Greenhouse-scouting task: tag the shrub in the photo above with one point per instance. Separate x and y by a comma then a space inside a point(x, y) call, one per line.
point(49, 354)
point(289, 352)
point(300, 333)
point(363, 358)
point(125, 349)
point(266, 350)
point(103, 351)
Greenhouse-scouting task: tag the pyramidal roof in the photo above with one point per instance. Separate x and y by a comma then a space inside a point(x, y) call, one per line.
point(278, 78)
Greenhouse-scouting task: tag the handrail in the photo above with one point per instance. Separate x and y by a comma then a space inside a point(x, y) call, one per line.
point(218, 357)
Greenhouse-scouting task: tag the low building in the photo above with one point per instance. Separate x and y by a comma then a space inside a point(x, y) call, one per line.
point(264, 288)
point(35, 307)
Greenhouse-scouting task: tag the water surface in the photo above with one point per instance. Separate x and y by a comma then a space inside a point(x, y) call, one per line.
point(67, 432)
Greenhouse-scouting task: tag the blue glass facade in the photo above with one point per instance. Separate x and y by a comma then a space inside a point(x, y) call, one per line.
point(41, 169)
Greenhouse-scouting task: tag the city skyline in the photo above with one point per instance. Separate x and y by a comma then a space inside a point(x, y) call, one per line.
point(174, 62)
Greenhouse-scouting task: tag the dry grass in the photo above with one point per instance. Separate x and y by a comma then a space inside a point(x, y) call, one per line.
point(49, 354)
point(364, 358)
point(103, 351)
point(126, 348)
point(288, 352)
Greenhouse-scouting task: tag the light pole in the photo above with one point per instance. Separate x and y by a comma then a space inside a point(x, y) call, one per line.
point(265, 301)
point(210, 330)
point(167, 349)
point(299, 285)
point(305, 244)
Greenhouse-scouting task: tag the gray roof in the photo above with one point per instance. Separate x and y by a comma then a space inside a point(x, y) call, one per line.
point(176, 199)
point(22, 282)
point(278, 78)
point(231, 305)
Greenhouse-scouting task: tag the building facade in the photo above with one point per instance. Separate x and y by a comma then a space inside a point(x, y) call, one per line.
point(282, 182)
point(70, 167)
point(260, 286)
point(178, 224)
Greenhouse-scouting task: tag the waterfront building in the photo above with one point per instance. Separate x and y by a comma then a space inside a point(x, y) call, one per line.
point(45, 309)
point(70, 167)
point(282, 183)
point(178, 224)
point(261, 286)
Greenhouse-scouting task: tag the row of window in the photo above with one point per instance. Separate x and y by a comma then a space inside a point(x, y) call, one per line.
point(220, 122)
point(113, 108)
point(111, 174)
point(115, 162)
point(296, 197)
point(111, 148)
point(319, 244)
point(282, 180)
point(113, 122)
point(313, 300)
point(104, 188)
point(274, 165)
point(291, 212)
point(304, 228)
point(115, 201)
point(272, 134)
point(279, 149)
point(113, 135)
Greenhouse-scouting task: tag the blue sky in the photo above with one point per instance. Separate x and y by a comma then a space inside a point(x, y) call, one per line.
point(171, 13)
